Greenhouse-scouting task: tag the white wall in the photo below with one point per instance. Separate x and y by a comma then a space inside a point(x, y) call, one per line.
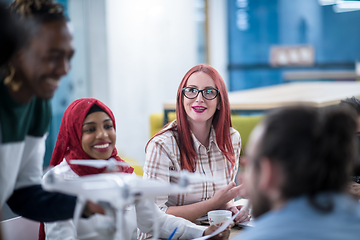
point(90, 67)
point(151, 45)
point(218, 41)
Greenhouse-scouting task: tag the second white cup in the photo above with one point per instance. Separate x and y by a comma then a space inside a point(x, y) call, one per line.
point(218, 216)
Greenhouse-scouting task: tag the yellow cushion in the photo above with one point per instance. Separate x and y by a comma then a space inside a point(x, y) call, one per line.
point(243, 124)
point(171, 116)
point(156, 123)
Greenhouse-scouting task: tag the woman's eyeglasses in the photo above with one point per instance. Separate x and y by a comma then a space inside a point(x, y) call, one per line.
point(207, 93)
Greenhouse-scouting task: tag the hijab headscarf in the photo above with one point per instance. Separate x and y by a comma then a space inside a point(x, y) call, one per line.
point(68, 144)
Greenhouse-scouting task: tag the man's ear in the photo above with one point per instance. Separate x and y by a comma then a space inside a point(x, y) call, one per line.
point(269, 175)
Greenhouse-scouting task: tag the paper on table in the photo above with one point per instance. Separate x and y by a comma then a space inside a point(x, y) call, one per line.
point(242, 202)
point(203, 218)
point(220, 229)
point(247, 224)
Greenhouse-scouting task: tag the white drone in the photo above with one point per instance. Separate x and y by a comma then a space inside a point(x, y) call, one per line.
point(185, 177)
point(116, 190)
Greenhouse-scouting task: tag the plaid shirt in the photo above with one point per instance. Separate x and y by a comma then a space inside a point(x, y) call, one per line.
point(163, 155)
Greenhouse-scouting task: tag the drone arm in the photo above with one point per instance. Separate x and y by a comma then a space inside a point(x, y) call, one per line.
point(148, 213)
point(66, 229)
point(80, 205)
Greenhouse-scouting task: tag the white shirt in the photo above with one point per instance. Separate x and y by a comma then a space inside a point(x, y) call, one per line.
point(20, 165)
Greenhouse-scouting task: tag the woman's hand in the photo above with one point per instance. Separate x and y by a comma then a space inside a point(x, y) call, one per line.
point(92, 208)
point(223, 235)
point(225, 194)
point(243, 216)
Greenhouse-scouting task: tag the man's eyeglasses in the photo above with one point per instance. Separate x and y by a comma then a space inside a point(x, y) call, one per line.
point(207, 93)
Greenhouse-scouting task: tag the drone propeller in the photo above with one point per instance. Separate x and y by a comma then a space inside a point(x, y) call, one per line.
point(193, 176)
point(185, 177)
point(110, 164)
point(91, 163)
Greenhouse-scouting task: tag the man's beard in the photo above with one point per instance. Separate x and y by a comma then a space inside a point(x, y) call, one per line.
point(260, 204)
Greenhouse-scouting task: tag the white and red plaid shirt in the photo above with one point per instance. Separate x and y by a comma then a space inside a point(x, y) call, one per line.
point(163, 155)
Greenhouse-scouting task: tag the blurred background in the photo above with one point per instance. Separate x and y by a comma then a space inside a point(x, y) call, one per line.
point(133, 54)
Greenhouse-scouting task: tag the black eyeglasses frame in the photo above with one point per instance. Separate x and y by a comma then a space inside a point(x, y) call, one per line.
point(202, 93)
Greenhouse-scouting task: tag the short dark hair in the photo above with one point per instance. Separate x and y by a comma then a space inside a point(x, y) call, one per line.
point(353, 103)
point(11, 34)
point(314, 147)
point(38, 10)
point(34, 13)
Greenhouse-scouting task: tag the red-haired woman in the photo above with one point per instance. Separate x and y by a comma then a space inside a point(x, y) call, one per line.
point(200, 140)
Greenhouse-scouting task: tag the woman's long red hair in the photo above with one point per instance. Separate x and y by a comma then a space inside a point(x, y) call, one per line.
point(221, 121)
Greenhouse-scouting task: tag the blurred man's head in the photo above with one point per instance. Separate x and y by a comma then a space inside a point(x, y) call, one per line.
point(299, 151)
point(353, 104)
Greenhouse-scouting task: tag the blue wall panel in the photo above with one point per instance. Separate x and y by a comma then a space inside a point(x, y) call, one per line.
point(255, 25)
point(340, 36)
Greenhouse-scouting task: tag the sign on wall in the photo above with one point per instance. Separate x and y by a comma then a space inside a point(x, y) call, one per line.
point(296, 55)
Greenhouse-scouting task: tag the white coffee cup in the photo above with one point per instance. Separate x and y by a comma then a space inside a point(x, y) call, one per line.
point(218, 216)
